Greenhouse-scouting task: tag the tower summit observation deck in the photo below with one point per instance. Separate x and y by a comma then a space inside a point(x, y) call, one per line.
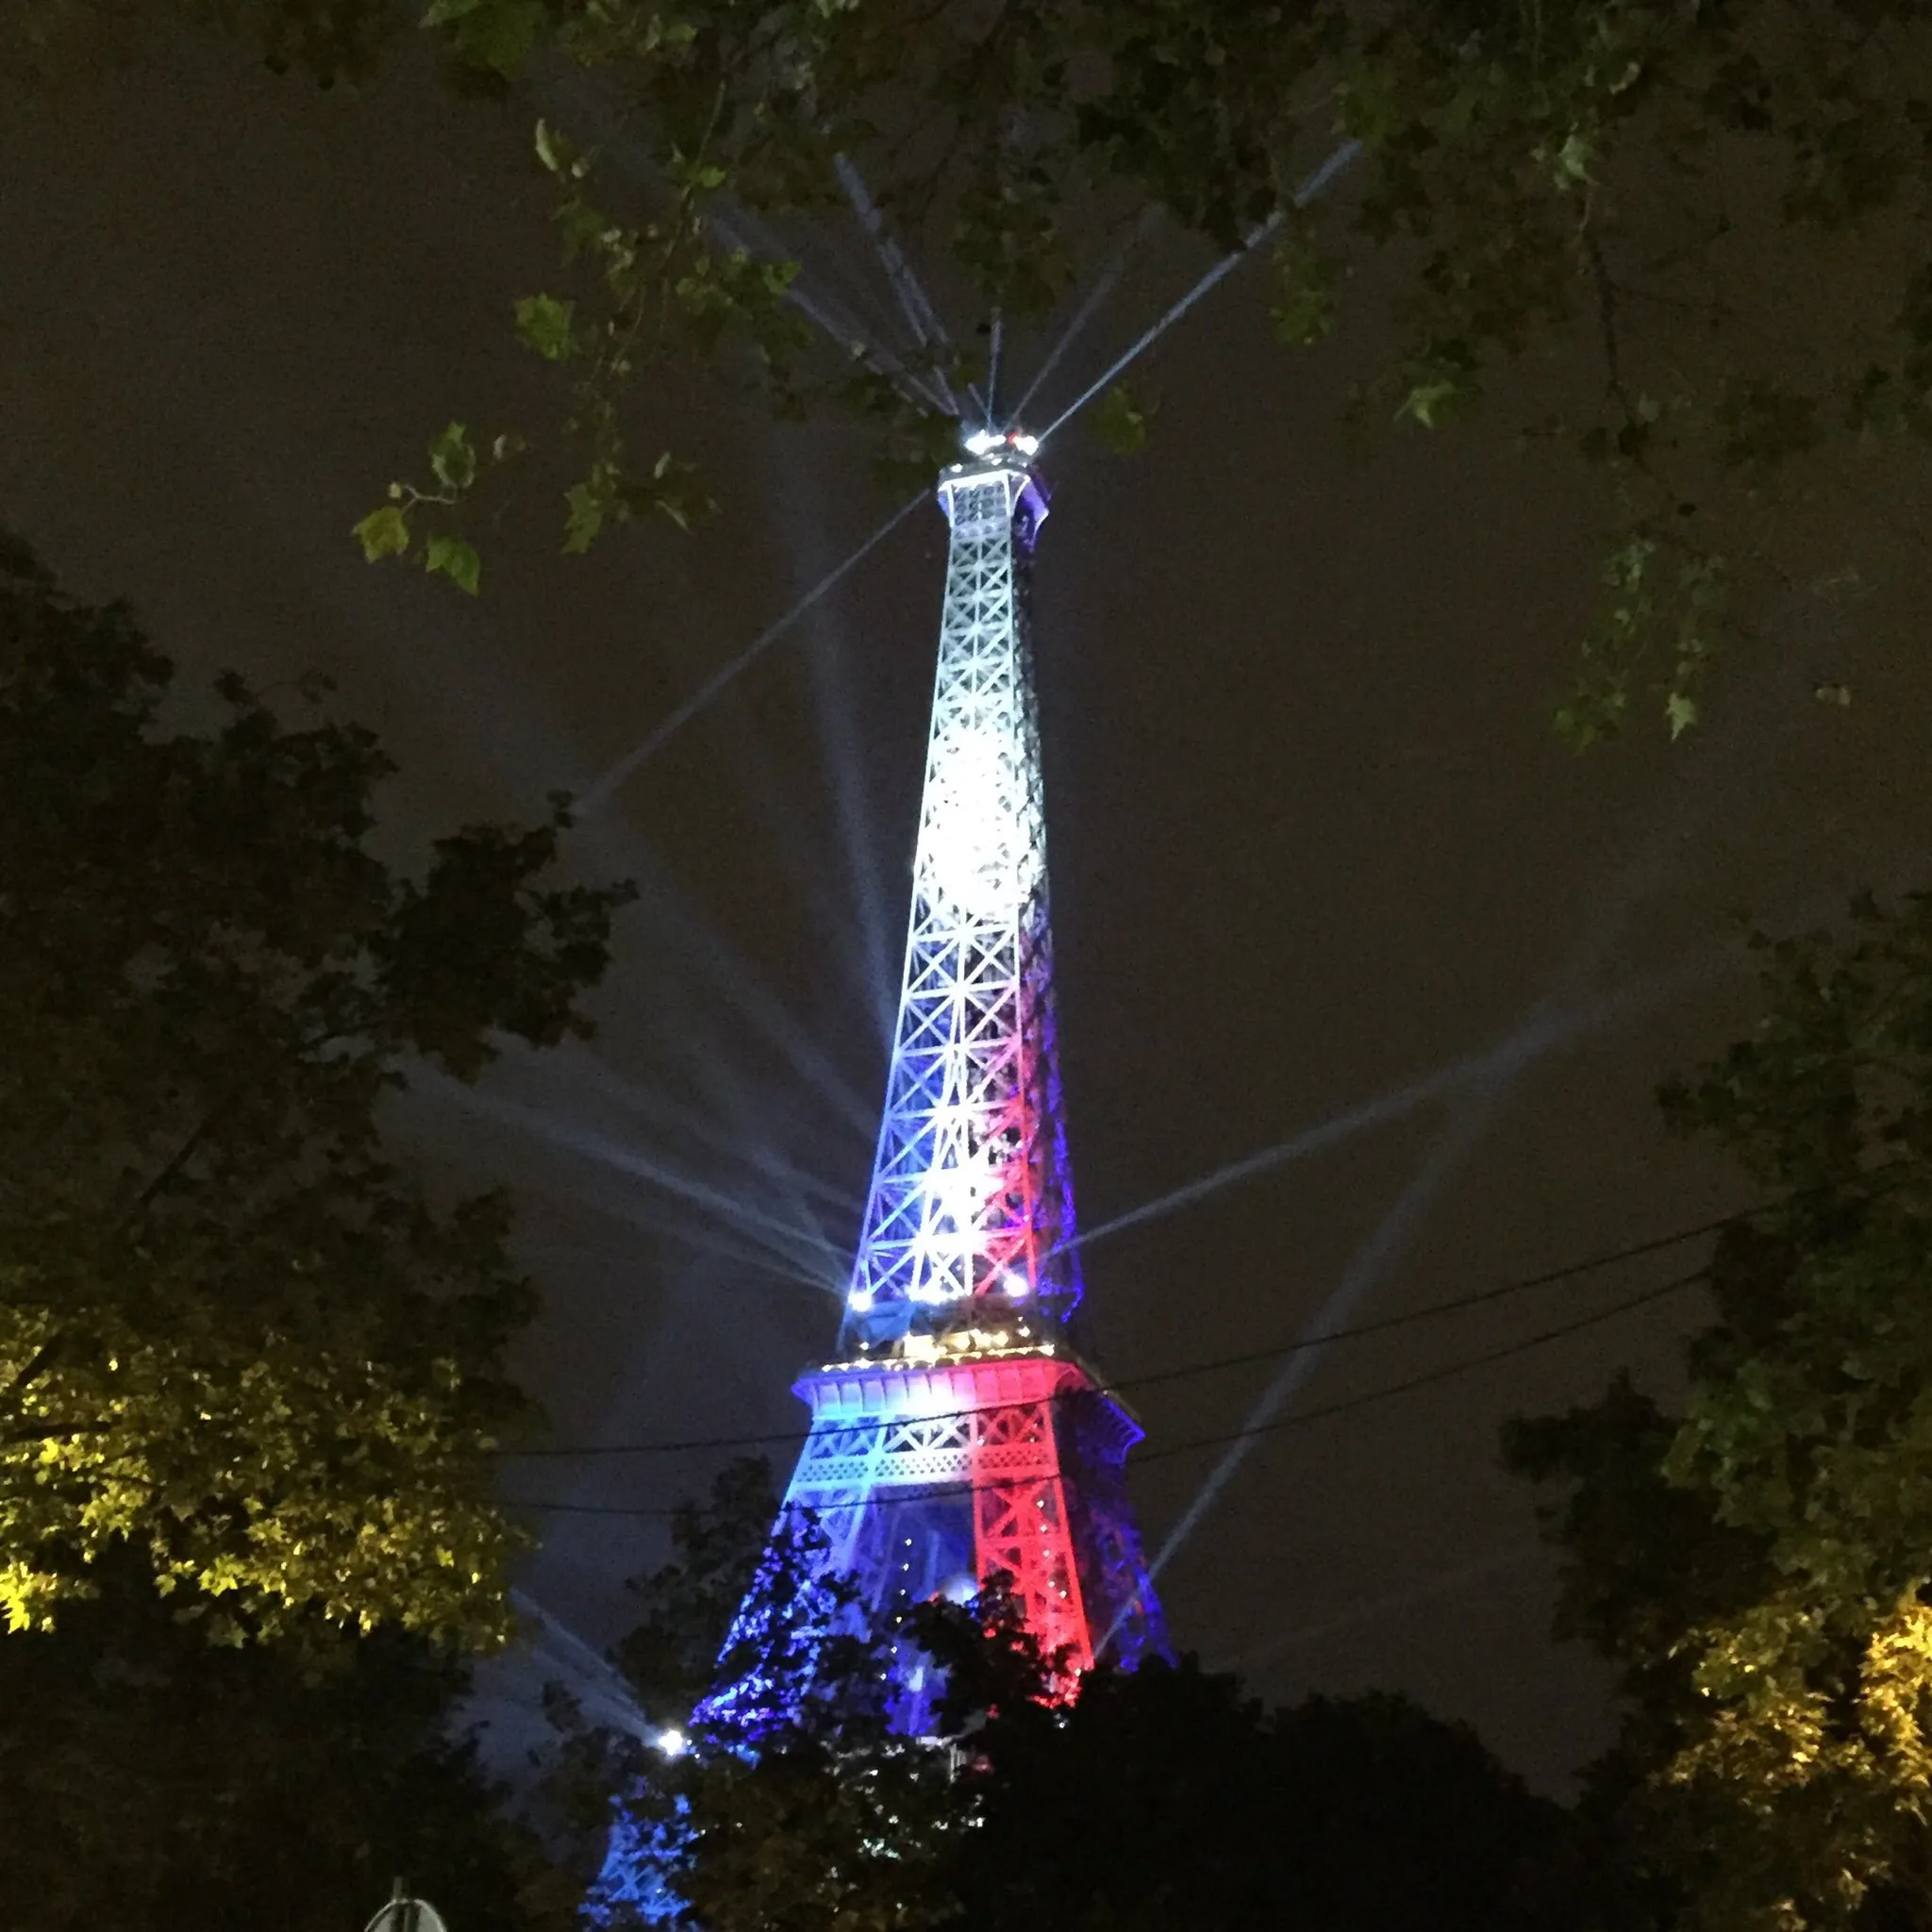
point(959, 1435)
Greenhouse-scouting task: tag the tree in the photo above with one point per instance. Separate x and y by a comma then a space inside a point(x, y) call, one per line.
point(1167, 1796)
point(150, 1780)
point(1686, 245)
point(798, 1807)
point(670, 1655)
point(1760, 1563)
point(235, 1335)
point(1158, 1798)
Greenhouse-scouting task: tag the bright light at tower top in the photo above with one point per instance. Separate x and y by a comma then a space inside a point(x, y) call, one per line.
point(988, 443)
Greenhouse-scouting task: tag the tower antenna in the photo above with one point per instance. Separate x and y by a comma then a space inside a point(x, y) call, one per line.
point(992, 375)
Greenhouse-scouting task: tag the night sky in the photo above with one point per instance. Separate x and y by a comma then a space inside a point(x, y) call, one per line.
point(1312, 838)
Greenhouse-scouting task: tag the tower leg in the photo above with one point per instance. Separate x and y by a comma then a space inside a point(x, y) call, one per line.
point(1022, 1528)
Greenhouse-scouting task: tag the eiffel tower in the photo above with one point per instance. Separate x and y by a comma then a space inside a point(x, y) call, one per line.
point(959, 1433)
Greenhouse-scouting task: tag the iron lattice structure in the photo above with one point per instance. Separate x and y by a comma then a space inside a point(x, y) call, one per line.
point(970, 1205)
point(961, 1435)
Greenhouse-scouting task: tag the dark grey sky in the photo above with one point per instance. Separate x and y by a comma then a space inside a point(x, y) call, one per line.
point(1313, 839)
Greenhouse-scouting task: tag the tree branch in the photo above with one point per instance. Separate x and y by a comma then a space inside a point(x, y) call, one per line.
point(35, 1367)
point(1606, 325)
point(51, 1432)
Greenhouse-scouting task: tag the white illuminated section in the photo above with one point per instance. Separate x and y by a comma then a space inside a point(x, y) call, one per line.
point(969, 1199)
point(978, 857)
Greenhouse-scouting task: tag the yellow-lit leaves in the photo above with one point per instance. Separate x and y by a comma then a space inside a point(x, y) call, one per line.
point(259, 1470)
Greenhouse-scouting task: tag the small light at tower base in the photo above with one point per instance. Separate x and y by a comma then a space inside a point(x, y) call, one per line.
point(671, 1742)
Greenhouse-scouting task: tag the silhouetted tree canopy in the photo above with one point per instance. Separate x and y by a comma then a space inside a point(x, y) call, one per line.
point(235, 1335)
point(152, 1781)
point(1757, 1559)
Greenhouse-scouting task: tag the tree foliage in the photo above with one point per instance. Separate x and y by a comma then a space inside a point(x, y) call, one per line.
point(234, 1334)
point(798, 1806)
point(1168, 1797)
point(1687, 244)
point(1759, 1564)
point(152, 1781)
point(1156, 1798)
point(670, 1655)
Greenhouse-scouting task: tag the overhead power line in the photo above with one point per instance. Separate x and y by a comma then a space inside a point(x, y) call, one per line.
point(1296, 1419)
point(1430, 1377)
point(1355, 1331)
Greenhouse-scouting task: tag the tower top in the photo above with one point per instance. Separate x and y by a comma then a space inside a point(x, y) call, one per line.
point(994, 495)
point(1001, 442)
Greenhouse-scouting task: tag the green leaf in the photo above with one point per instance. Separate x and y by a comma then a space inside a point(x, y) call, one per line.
point(1681, 709)
point(383, 532)
point(586, 518)
point(555, 153)
point(493, 35)
point(457, 560)
point(1429, 403)
point(453, 459)
point(1304, 280)
point(1573, 160)
point(543, 323)
point(1122, 419)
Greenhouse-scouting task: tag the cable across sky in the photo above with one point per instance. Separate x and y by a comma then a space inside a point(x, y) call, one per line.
point(1346, 1405)
point(1356, 1331)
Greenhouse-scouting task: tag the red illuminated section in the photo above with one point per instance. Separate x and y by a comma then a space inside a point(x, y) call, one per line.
point(1020, 1519)
point(1022, 1443)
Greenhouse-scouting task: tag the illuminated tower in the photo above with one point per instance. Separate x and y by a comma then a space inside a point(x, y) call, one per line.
point(959, 1433)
